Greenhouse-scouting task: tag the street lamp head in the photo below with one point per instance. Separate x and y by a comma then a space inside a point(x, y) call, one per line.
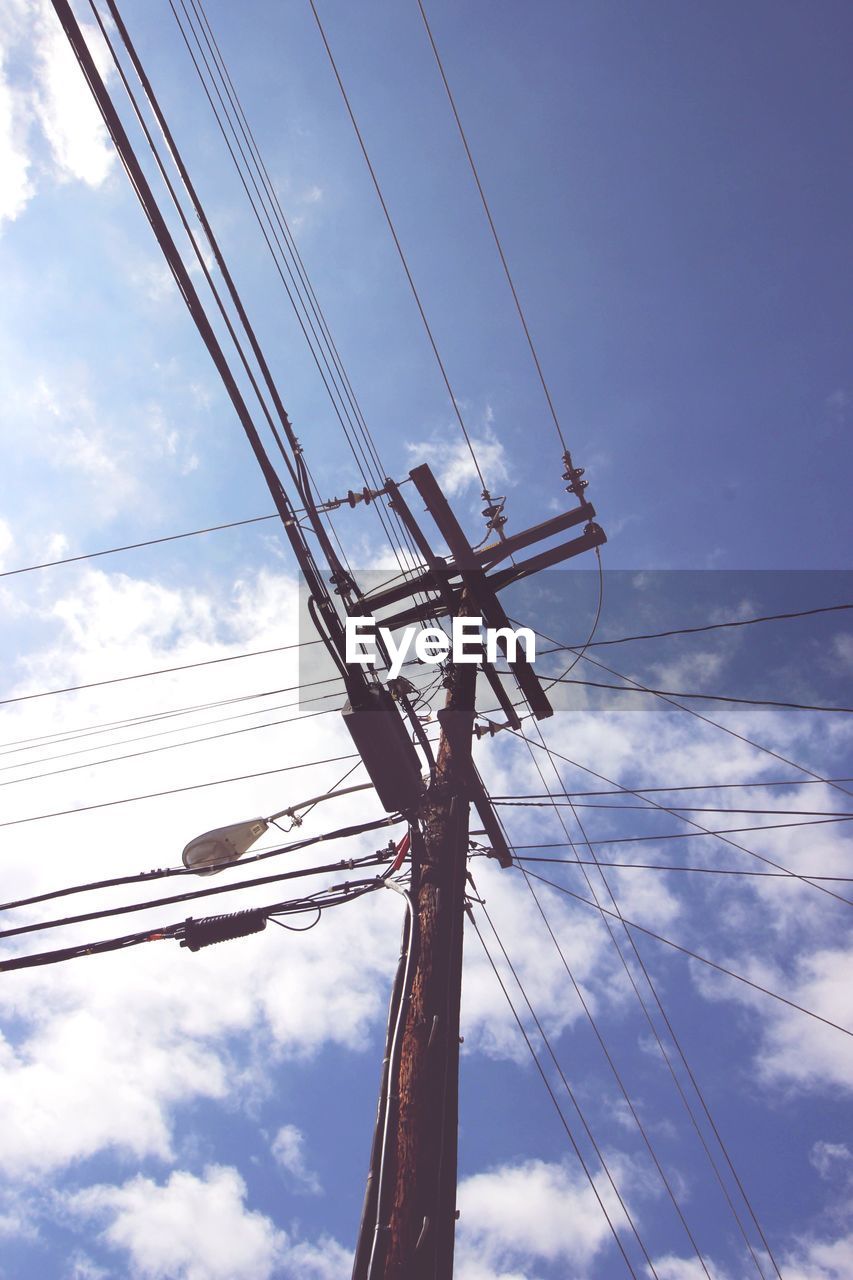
point(210, 852)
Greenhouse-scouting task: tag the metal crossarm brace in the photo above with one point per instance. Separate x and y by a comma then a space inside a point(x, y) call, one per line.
point(481, 592)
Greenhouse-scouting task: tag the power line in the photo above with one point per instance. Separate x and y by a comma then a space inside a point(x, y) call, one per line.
point(558, 648)
point(326, 616)
point(167, 873)
point(212, 737)
point(693, 955)
point(159, 733)
point(660, 866)
point(453, 400)
point(612, 1064)
point(715, 724)
point(636, 684)
point(710, 626)
point(169, 746)
point(707, 697)
point(108, 913)
point(547, 802)
point(364, 451)
point(552, 1095)
point(702, 832)
point(296, 906)
point(160, 671)
point(717, 786)
point(493, 229)
point(615, 941)
point(173, 791)
point(135, 546)
point(547, 1042)
point(661, 1010)
point(552, 753)
point(299, 291)
point(61, 737)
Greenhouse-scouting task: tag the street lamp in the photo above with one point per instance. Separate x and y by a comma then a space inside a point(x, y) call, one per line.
point(214, 850)
point(210, 852)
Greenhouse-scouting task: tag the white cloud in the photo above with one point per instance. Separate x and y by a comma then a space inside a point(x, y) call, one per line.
point(107, 1053)
point(325, 1260)
point(104, 1053)
point(109, 462)
point(672, 1267)
point(842, 648)
point(16, 184)
point(488, 1023)
point(84, 1268)
point(49, 91)
point(830, 1157)
point(288, 1149)
point(64, 104)
point(201, 1228)
point(187, 1229)
point(450, 458)
point(516, 1216)
point(16, 1216)
point(823, 1056)
point(7, 541)
point(815, 1259)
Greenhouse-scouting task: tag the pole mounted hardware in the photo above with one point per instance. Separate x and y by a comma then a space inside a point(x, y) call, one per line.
point(436, 590)
point(441, 581)
point(204, 933)
point(573, 474)
point(210, 852)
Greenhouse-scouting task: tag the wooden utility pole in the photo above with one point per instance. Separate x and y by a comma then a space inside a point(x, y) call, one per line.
point(420, 1214)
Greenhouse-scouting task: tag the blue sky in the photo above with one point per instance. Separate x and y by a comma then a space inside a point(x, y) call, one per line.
point(672, 185)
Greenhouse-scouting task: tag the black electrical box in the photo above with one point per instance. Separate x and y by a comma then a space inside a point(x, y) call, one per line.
point(382, 740)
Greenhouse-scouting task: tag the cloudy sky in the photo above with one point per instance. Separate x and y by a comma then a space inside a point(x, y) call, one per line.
point(673, 188)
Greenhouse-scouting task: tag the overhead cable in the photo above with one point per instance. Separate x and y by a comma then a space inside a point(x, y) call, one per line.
point(439, 361)
point(135, 546)
point(702, 832)
point(332, 627)
point(553, 1097)
point(694, 955)
point(364, 450)
point(299, 906)
point(173, 791)
point(493, 228)
point(167, 873)
point(159, 671)
point(192, 895)
point(661, 1010)
point(158, 733)
point(636, 684)
point(547, 801)
point(547, 1042)
point(709, 626)
point(554, 754)
point(621, 1084)
point(170, 746)
point(707, 697)
point(61, 737)
point(656, 866)
point(679, 1212)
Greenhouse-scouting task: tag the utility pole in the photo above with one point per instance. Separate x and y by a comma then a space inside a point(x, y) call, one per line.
point(409, 1216)
point(422, 1184)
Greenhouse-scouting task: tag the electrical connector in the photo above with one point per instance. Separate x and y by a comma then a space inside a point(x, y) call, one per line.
point(204, 933)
